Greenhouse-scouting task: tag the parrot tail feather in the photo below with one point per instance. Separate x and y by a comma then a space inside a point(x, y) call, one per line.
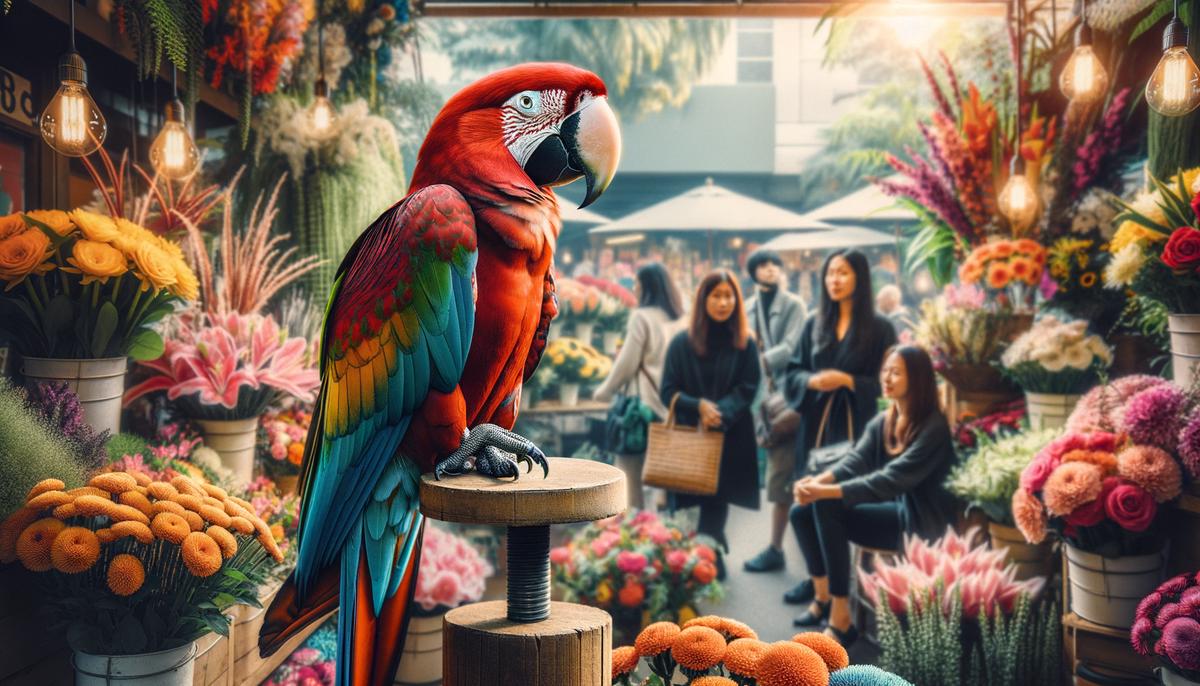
point(286, 617)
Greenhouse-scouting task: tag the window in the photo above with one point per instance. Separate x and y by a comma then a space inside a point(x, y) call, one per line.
point(755, 50)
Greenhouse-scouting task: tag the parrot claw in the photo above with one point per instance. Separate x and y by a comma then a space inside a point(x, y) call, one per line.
point(489, 449)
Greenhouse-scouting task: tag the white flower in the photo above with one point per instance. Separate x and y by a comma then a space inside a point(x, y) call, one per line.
point(1078, 357)
point(1053, 362)
point(1124, 267)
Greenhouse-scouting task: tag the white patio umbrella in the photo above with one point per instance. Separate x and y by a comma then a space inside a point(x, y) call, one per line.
point(868, 205)
point(838, 237)
point(573, 215)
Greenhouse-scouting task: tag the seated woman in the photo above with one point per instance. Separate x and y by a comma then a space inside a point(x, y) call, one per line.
point(889, 485)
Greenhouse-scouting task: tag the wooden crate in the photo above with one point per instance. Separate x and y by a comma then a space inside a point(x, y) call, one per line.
point(1103, 648)
point(213, 661)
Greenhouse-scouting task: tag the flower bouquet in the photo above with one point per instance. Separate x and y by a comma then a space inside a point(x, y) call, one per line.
point(1167, 625)
point(136, 565)
point(1074, 283)
point(579, 306)
point(987, 479)
point(1004, 421)
point(638, 567)
point(1056, 356)
point(452, 573)
point(719, 651)
point(1008, 271)
point(281, 440)
point(576, 363)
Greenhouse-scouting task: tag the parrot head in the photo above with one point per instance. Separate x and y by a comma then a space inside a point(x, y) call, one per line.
point(524, 128)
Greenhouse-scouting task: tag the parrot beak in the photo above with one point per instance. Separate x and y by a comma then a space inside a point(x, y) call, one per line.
point(593, 142)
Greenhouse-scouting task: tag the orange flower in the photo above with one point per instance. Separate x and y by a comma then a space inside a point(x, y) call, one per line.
point(790, 664)
point(187, 486)
point(138, 501)
point(10, 530)
point(624, 661)
point(705, 553)
point(125, 575)
point(49, 499)
point(201, 554)
point(162, 490)
point(66, 511)
point(22, 255)
point(89, 490)
point(1028, 246)
point(711, 621)
point(35, 542)
point(125, 513)
point(277, 532)
point(226, 540)
point(75, 550)
point(295, 453)
point(241, 525)
point(831, 651)
point(141, 479)
point(1003, 249)
point(267, 541)
point(656, 638)
point(742, 656)
point(1105, 461)
point(998, 275)
point(704, 572)
point(631, 594)
point(94, 506)
point(170, 527)
point(105, 535)
point(970, 272)
point(114, 482)
point(215, 491)
point(215, 515)
point(1023, 269)
point(167, 506)
point(698, 648)
point(136, 529)
point(190, 502)
point(194, 521)
point(43, 486)
point(733, 629)
point(213, 502)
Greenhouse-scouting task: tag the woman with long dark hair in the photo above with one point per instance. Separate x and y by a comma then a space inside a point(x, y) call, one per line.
point(833, 377)
point(637, 369)
point(712, 375)
point(889, 485)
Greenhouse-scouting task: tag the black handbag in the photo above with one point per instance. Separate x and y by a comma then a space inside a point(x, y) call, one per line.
point(628, 422)
point(822, 458)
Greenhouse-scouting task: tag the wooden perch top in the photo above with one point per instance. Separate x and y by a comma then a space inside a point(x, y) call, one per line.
point(576, 490)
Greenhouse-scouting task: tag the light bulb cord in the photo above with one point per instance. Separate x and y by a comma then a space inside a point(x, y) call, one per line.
point(321, 44)
point(71, 23)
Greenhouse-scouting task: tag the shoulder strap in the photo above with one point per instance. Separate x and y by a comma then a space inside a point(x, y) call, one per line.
point(825, 419)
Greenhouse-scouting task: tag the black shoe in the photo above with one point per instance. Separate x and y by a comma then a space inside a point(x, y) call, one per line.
point(810, 618)
point(769, 560)
point(847, 637)
point(800, 594)
point(720, 566)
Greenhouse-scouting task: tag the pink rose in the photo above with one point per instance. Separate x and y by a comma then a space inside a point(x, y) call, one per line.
point(600, 547)
point(445, 589)
point(1034, 476)
point(560, 555)
point(278, 451)
point(660, 535)
point(677, 560)
point(1102, 441)
point(1130, 507)
point(630, 562)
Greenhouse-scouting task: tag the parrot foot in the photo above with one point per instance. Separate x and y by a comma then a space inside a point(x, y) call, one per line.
point(489, 449)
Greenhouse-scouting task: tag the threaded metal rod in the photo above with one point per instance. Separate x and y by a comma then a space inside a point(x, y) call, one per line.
point(528, 573)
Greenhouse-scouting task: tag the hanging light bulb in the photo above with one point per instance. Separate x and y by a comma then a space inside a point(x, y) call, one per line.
point(173, 153)
point(1018, 200)
point(1174, 88)
point(320, 112)
point(72, 124)
point(1083, 79)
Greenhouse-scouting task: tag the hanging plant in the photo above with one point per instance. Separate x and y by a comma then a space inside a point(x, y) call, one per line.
point(174, 28)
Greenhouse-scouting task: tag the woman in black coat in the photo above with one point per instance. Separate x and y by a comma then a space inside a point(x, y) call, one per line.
point(836, 365)
point(712, 373)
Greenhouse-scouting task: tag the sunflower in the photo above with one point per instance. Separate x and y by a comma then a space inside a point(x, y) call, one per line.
point(698, 648)
point(170, 527)
point(831, 651)
point(624, 660)
point(125, 574)
point(114, 482)
point(656, 638)
point(75, 550)
point(791, 664)
point(742, 656)
point(136, 529)
point(1088, 279)
point(35, 542)
point(201, 554)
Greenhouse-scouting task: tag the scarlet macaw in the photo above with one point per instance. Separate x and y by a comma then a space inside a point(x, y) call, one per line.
point(439, 313)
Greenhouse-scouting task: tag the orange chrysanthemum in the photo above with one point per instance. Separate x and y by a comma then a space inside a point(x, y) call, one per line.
point(215, 491)
point(1003, 249)
point(66, 511)
point(624, 661)
point(656, 638)
point(215, 515)
point(43, 486)
point(126, 513)
point(114, 482)
point(1107, 462)
point(139, 501)
point(1029, 247)
point(698, 648)
point(267, 540)
point(142, 480)
point(243, 502)
point(170, 527)
point(125, 575)
point(733, 629)
point(213, 502)
point(190, 502)
point(138, 530)
point(201, 554)
point(90, 490)
point(106, 535)
point(226, 540)
point(1070, 485)
point(742, 656)
point(714, 681)
point(186, 486)
point(1024, 270)
point(94, 506)
point(167, 506)
point(75, 550)
point(10, 529)
point(241, 525)
point(195, 523)
point(831, 651)
point(790, 664)
point(711, 621)
point(162, 490)
point(35, 542)
point(49, 499)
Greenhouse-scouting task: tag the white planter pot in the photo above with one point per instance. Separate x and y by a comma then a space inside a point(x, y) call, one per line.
point(234, 440)
point(584, 331)
point(611, 340)
point(98, 383)
point(1185, 348)
point(174, 667)
point(1049, 410)
point(1107, 590)
point(568, 394)
point(421, 662)
point(1170, 678)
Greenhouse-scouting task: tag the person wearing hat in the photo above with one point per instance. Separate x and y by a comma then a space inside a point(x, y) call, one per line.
point(776, 318)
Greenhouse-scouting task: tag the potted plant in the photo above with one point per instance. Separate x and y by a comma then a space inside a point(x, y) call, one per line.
point(83, 291)
point(281, 444)
point(616, 302)
point(1054, 362)
point(986, 481)
point(451, 573)
point(139, 569)
point(575, 364)
point(1156, 253)
point(640, 568)
point(1167, 626)
point(579, 307)
point(1101, 493)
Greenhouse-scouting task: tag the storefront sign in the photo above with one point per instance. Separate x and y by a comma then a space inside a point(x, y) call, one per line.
point(16, 99)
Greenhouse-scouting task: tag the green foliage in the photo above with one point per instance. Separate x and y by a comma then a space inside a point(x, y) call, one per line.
point(127, 444)
point(647, 64)
point(988, 478)
point(30, 452)
point(174, 28)
point(936, 647)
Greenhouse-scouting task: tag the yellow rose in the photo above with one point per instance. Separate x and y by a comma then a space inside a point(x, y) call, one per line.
point(96, 261)
point(23, 254)
point(169, 247)
point(130, 236)
point(57, 220)
point(187, 286)
point(154, 267)
point(95, 227)
point(11, 225)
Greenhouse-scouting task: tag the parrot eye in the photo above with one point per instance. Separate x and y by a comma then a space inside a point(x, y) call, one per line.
point(527, 102)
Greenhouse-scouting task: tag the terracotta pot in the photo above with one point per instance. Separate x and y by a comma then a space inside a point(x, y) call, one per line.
point(288, 484)
point(1030, 560)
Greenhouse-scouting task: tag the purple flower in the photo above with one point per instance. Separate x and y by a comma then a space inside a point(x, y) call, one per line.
point(1166, 614)
point(1181, 642)
point(1140, 635)
point(1189, 444)
point(1149, 604)
point(59, 407)
point(1155, 416)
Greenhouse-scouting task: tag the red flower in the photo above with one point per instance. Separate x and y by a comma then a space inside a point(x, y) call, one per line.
point(704, 571)
point(1183, 249)
point(631, 594)
point(1131, 507)
point(705, 553)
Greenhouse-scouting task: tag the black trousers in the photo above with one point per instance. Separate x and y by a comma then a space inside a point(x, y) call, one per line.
point(826, 528)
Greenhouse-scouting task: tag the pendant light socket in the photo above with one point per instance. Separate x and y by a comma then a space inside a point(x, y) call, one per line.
point(1175, 35)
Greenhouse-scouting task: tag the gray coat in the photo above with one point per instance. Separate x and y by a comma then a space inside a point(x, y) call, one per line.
point(784, 323)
